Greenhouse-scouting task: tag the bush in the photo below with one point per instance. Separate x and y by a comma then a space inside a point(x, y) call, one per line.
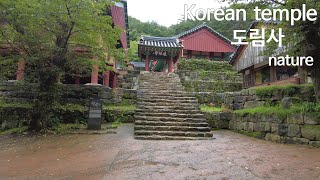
point(121, 113)
point(203, 64)
point(305, 92)
point(306, 108)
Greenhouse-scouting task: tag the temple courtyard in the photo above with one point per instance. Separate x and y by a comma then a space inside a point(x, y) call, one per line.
point(120, 156)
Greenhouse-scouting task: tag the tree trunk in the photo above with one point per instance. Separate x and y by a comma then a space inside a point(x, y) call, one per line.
point(43, 107)
point(312, 48)
point(316, 81)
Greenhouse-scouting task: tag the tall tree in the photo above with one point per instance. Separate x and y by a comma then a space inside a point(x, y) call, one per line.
point(46, 32)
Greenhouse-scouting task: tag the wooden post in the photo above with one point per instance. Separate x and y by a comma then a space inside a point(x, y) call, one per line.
point(114, 85)
point(106, 79)
point(170, 64)
point(147, 62)
point(21, 69)
point(95, 74)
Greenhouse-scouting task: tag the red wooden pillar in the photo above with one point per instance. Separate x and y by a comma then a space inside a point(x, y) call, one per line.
point(77, 78)
point(106, 79)
point(95, 74)
point(114, 85)
point(21, 69)
point(170, 64)
point(147, 63)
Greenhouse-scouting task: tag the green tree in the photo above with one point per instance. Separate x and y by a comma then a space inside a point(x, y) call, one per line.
point(45, 32)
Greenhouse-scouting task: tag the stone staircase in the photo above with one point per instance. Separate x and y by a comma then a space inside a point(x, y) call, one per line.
point(166, 112)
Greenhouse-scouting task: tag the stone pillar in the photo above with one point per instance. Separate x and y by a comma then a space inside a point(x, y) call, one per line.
point(170, 65)
point(95, 74)
point(21, 69)
point(106, 79)
point(77, 78)
point(147, 63)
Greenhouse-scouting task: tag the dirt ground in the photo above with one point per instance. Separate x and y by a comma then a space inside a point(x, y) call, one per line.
point(119, 156)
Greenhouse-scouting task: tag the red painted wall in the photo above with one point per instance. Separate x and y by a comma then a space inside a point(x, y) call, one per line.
point(205, 41)
point(118, 16)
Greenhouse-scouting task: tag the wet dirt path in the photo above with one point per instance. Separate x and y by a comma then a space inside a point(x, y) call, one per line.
point(119, 156)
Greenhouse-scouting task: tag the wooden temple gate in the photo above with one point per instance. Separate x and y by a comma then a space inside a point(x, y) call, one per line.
point(159, 53)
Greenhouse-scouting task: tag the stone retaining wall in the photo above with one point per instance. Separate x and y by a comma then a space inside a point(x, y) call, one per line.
point(295, 129)
point(210, 81)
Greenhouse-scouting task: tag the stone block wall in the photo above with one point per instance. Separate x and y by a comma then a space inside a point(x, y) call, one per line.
point(244, 99)
point(295, 129)
point(210, 81)
point(218, 120)
point(17, 99)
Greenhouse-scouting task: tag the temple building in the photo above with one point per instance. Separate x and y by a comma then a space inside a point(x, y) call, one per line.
point(119, 14)
point(204, 42)
point(163, 53)
point(254, 66)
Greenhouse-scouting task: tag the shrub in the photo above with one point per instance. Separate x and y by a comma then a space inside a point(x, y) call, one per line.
point(305, 91)
point(203, 64)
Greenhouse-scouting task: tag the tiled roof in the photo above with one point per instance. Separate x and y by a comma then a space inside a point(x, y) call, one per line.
point(197, 28)
point(171, 42)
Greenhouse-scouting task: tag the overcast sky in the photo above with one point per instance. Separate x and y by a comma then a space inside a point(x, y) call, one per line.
point(165, 12)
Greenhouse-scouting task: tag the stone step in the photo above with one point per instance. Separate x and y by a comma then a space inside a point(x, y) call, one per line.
point(142, 94)
point(169, 104)
point(160, 98)
point(172, 108)
point(168, 100)
point(168, 123)
point(155, 137)
point(170, 119)
point(175, 115)
point(173, 133)
point(163, 88)
point(172, 128)
point(187, 111)
point(160, 82)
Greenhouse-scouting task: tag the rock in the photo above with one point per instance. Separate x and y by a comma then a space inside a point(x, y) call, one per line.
point(310, 120)
point(273, 138)
point(253, 104)
point(262, 127)
point(229, 100)
point(311, 132)
point(225, 116)
point(232, 125)
point(252, 92)
point(287, 102)
point(294, 130)
point(251, 126)
point(282, 130)
point(314, 143)
point(239, 99)
point(244, 92)
point(274, 128)
point(237, 106)
point(295, 140)
point(295, 119)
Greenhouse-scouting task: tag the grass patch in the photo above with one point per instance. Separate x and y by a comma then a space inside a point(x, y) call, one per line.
point(302, 108)
point(64, 128)
point(206, 108)
point(4, 104)
point(289, 90)
point(18, 130)
point(116, 124)
point(120, 107)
